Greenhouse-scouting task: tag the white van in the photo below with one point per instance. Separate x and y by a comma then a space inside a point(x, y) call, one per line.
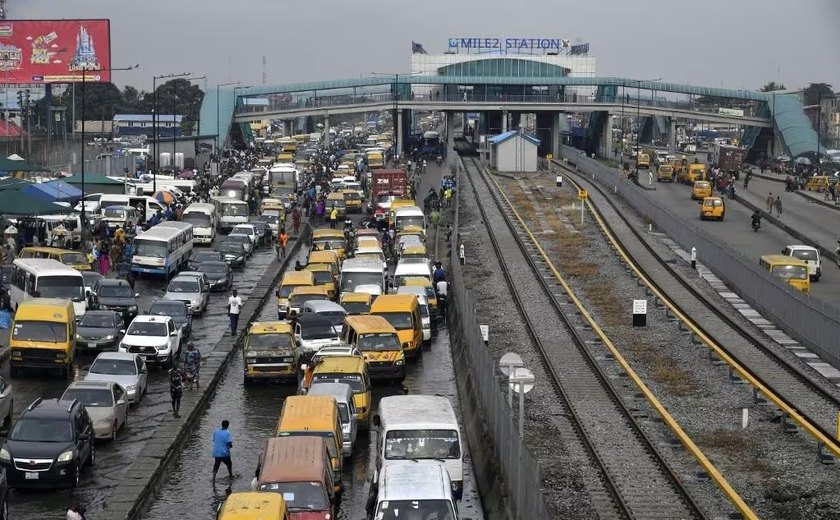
point(423, 429)
point(204, 220)
point(47, 278)
point(809, 255)
point(343, 394)
point(147, 206)
point(231, 212)
point(423, 301)
point(410, 269)
point(409, 216)
point(405, 490)
point(362, 275)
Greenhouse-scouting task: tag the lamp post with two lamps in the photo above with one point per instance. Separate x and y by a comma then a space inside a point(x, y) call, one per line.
point(155, 120)
point(174, 112)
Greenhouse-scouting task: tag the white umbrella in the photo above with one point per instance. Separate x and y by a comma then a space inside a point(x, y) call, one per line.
point(803, 160)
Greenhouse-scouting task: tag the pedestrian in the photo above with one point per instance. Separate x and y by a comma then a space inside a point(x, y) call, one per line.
point(298, 266)
point(770, 201)
point(778, 205)
point(282, 241)
point(333, 217)
point(131, 277)
point(76, 511)
point(234, 306)
point(442, 288)
point(295, 220)
point(222, 443)
point(176, 387)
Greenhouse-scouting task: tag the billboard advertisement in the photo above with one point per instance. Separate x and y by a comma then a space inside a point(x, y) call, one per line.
point(54, 51)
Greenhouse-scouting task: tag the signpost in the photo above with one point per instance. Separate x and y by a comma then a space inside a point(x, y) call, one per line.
point(582, 196)
point(507, 364)
point(639, 313)
point(521, 380)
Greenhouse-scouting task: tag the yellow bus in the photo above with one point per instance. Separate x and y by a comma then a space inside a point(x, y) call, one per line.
point(254, 505)
point(403, 313)
point(379, 343)
point(790, 269)
point(353, 371)
point(290, 281)
point(270, 352)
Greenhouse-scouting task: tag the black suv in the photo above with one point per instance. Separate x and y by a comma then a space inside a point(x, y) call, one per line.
point(116, 295)
point(49, 445)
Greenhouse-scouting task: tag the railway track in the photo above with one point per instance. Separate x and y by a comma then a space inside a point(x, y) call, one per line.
point(807, 403)
point(636, 481)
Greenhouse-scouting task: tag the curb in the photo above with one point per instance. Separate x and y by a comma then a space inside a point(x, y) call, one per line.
point(140, 483)
point(809, 198)
point(824, 251)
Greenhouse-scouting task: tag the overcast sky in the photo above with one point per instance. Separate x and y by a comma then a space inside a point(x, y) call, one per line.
point(733, 43)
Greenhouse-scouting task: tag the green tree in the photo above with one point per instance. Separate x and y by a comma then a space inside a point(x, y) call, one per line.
point(178, 96)
point(816, 91)
point(771, 86)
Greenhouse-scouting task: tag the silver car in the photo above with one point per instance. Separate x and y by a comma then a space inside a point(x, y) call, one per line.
point(124, 368)
point(6, 403)
point(106, 403)
point(192, 288)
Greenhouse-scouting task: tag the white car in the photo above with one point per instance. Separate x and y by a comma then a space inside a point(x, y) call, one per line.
point(105, 401)
point(342, 350)
point(425, 317)
point(246, 229)
point(126, 369)
point(155, 338)
point(809, 255)
point(192, 288)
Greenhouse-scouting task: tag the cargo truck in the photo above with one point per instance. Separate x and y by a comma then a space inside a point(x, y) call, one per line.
point(386, 185)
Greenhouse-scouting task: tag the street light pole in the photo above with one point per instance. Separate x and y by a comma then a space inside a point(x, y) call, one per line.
point(156, 119)
point(218, 130)
point(174, 128)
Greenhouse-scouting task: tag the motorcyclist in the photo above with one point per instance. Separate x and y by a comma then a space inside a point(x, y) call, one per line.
point(192, 362)
point(756, 219)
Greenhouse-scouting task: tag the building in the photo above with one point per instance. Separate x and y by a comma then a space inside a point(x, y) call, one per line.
point(504, 57)
point(830, 119)
point(141, 124)
point(513, 151)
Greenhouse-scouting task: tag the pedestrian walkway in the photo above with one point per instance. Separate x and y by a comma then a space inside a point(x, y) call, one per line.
point(815, 221)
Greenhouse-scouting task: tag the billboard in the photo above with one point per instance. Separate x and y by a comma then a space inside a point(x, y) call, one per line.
point(55, 51)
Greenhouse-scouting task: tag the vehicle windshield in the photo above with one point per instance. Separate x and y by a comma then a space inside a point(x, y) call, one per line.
point(74, 259)
point(356, 307)
point(44, 331)
point(411, 509)
point(147, 328)
point(168, 309)
point(270, 342)
point(238, 239)
point(335, 317)
point(414, 220)
point(213, 268)
point(235, 210)
point(243, 230)
point(806, 254)
point(231, 247)
point(114, 367)
point(300, 496)
point(272, 216)
point(299, 299)
point(398, 320)
point(322, 277)
point(351, 280)
point(286, 290)
point(183, 286)
point(68, 287)
point(333, 243)
point(197, 219)
point(115, 212)
point(115, 291)
point(422, 444)
point(150, 248)
point(317, 331)
point(351, 195)
point(419, 259)
point(354, 380)
point(791, 272)
point(379, 342)
point(42, 430)
point(98, 321)
point(384, 199)
point(91, 397)
point(205, 256)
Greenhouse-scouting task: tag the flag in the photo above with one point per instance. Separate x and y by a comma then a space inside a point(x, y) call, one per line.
point(417, 48)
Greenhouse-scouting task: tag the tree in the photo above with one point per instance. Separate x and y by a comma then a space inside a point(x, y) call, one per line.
point(816, 91)
point(178, 96)
point(132, 100)
point(771, 86)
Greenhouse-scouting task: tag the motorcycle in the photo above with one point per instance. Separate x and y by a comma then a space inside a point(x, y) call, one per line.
point(439, 160)
point(755, 225)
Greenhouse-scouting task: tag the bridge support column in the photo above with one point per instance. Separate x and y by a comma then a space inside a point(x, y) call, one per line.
point(451, 156)
point(325, 138)
point(494, 122)
point(672, 136)
point(515, 120)
point(287, 127)
point(606, 144)
point(504, 121)
point(400, 142)
point(555, 134)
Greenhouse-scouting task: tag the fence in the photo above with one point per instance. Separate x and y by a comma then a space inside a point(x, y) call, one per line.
point(104, 166)
point(813, 321)
point(520, 470)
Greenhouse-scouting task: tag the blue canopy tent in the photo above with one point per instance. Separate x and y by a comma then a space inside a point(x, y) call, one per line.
point(53, 191)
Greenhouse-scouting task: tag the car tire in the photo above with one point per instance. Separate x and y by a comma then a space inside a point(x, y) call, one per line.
point(4, 512)
point(92, 459)
point(77, 477)
point(15, 371)
point(114, 429)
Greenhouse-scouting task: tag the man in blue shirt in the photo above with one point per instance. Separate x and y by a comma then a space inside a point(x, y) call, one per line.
point(222, 443)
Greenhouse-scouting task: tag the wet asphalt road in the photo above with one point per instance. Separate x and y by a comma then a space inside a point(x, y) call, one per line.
point(188, 491)
point(113, 459)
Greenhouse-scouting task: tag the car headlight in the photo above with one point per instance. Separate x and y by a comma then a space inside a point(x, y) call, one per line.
point(16, 352)
point(130, 388)
point(132, 308)
point(67, 456)
point(5, 455)
point(399, 362)
point(60, 355)
point(78, 336)
point(109, 337)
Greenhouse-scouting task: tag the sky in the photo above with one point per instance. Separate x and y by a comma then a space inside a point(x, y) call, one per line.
point(739, 44)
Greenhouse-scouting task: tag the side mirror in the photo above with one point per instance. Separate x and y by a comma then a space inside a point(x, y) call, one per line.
point(376, 421)
point(277, 293)
point(122, 331)
point(84, 438)
point(122, 401)
point(304, 366)
point(88, 293)
point(137, 295)
point(173, 333)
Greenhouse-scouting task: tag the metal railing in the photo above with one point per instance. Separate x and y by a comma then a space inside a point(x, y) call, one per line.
point(814, 321)
point(519, 469)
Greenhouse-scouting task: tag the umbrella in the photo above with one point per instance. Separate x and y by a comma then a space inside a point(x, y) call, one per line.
point(186, 174)
point(164, 197)
point(803, 160)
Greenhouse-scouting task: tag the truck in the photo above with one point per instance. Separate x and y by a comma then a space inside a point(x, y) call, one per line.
point(386, 185)
point(728, 158)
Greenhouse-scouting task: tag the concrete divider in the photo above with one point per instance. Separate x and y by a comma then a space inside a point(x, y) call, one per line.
point(137, 488)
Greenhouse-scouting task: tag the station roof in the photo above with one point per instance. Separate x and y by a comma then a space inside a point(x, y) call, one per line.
point(497, 139)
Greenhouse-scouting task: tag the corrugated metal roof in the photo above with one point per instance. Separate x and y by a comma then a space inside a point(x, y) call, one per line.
point(798, 136)
point(496, 139)
point(147, 118)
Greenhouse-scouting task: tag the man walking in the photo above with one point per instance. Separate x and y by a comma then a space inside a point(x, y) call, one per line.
point(222, 443)
point(176, 388)
point(770, 201)
point(234, 306)
point(442, 289)
point(282, 241)
point(778, 205)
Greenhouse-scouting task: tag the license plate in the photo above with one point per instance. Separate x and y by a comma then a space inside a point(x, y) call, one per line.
point(91, 345)
point(30, 476)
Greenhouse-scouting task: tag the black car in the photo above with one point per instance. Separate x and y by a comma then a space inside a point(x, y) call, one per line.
point(263, 231)
point(49, 445)
point(198, 257)
point(91, 278)
point(234, 253)
point(179, 312)
point(116, 295)
point(5, 276)
point(218, 274)
point(100, 330)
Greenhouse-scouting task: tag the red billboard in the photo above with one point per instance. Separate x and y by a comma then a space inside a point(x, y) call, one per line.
point(54, 51)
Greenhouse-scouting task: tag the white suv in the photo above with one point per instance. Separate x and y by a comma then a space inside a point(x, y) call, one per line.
point(809, 255)
point(155, 338)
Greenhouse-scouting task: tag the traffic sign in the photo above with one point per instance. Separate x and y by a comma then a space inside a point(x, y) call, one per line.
point(521, 380)
point(509, 362)
point(549, 156)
